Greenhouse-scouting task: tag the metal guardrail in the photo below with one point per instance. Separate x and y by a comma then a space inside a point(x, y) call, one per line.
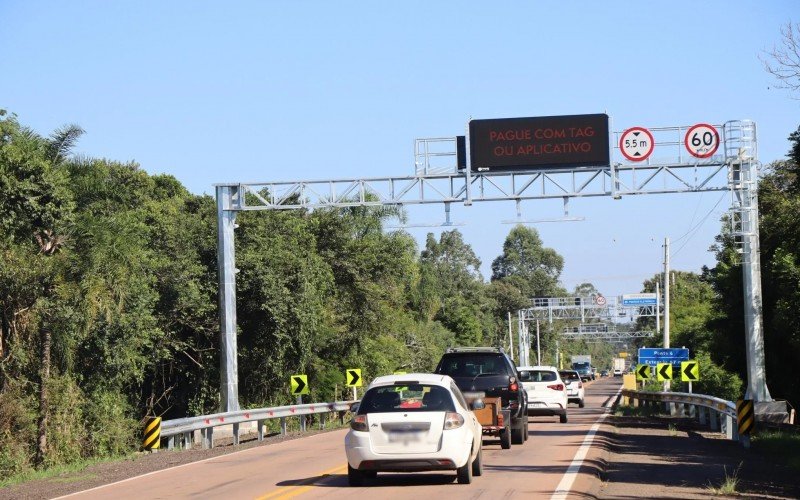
point(180, 431)
point(718, 413)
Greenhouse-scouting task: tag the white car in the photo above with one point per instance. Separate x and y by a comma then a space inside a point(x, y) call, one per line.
point(547, 393)
point(575, 390)
point(414, 422)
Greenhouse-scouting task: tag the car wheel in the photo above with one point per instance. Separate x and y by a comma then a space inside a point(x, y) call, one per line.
point(354, 476)
point(526, 430)
point(581, 404)
point(505, 438)
point(464, 473)
point(562, 418)
point(477, 464)
point(518, 434)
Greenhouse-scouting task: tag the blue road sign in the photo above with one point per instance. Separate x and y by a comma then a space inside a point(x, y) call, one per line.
point(654, 355)
point(639, 299)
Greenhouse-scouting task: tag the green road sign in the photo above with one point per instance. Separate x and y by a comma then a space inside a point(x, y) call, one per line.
point(299, 384)
point(353, 376)
point(643, 372)
point(690, 371)
point(664, 371)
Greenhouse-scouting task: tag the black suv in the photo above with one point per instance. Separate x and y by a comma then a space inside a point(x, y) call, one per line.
point(489, 370)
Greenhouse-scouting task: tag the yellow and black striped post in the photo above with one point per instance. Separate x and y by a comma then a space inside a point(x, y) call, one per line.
point(152, 434)
point(745, 417)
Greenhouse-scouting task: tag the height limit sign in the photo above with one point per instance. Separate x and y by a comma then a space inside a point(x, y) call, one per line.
point(636, 144)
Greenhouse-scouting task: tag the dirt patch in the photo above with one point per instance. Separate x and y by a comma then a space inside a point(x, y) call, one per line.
point(666, 457)
point(109, 472)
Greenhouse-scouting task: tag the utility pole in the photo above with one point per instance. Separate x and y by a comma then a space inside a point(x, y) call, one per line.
point(658, 308)
point(538, 348)
point(666, 301)
point(510, 338)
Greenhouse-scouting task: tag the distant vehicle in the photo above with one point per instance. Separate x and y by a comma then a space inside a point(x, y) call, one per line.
point(604, 373)
point(619, 366)
point(490, 371)
point(414, 422)
point(582, 363)
point(575, 390)
point(547, 393)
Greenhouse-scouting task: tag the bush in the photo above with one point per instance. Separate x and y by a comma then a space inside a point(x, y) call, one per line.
point(110, 430)
point(17, 430)
point(66, 437)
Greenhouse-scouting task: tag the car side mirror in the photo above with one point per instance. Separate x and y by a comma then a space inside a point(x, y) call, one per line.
point(354, 408)
point(477, 404)
point(524, 376)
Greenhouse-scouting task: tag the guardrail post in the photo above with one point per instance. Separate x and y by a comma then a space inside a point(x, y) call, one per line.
point(701, 410)
point(236, 434)
point(727, 425)
point(672, 409)
point(690, 410)
point(283, 426)
point(208, 438)
point(260, 424)
point(171, 443)
point(713, 419)
point(187, 440)
point(302, 423)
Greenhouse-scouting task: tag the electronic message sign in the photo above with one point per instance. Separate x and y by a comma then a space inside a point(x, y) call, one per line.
point(539, 143)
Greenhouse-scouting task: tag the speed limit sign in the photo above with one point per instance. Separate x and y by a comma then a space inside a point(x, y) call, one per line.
point(702, 140)
point(600, 300)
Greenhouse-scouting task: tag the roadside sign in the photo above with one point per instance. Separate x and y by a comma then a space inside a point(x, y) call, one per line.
point(664, 371)
point(542, 142)
point(636, 144)
point(600, 300)
point(690, 371)
point(643, 372)
point(702, 140)
point(639, 299)
point(623, 355)
point(298, 384)
point(744, 416)
point(653, 355)
point(354, 377)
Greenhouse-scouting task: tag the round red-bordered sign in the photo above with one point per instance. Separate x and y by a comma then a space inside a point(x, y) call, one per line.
point(600, 300)
point(634, 147)
point(702, 140)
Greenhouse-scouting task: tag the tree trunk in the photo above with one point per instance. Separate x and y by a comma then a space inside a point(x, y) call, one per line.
point(41, 448)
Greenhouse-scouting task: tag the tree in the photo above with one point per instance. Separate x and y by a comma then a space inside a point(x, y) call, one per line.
point(783, 61)
point(530, 266)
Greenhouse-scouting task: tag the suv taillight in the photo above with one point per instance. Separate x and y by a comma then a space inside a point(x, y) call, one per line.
point(359, 423)
point(453, 420)
point(512, 384)
point(556, 387)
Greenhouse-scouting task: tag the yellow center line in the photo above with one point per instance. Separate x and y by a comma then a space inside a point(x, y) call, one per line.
point(301, 486)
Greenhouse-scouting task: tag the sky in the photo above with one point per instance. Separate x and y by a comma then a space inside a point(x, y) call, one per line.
point(213, 92)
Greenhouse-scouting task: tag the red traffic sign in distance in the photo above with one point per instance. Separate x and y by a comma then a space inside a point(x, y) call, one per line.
point(636, 144)
point(702, 140)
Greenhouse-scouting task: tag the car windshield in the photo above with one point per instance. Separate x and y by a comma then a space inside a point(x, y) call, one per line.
point(543, 376)
point(566, 376)
point(406, 398)
point(471, 365)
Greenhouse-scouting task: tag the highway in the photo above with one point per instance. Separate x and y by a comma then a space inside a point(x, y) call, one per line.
point(315, 467)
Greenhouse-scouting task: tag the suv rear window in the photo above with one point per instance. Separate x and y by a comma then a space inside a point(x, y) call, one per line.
point(406, 398)
point(472, 365)
point(569, 376)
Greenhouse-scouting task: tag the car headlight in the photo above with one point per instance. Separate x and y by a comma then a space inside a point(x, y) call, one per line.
point(453, 420)
point(359, 423)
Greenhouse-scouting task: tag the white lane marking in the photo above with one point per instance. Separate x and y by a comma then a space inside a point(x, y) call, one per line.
point(258, 447)
point(564, 487)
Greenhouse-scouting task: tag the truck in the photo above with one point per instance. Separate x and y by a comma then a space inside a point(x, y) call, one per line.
point(619, 367)
point(582, 363)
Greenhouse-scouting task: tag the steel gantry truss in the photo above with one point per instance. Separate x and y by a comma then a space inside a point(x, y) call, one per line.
point(733, 169)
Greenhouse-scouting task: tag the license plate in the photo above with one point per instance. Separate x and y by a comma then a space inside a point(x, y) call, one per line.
point(536, 404)
point(404, 437)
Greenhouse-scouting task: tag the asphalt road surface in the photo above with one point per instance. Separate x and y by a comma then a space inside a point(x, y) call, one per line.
point(556, 462)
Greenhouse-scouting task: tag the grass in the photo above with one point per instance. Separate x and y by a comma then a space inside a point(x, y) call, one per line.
point(56, 471)
point(728, 486)
point(782, 445)
point(673, 429)
point(635, 411)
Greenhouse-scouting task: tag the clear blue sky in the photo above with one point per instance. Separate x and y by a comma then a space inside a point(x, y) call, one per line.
point(262, 91)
